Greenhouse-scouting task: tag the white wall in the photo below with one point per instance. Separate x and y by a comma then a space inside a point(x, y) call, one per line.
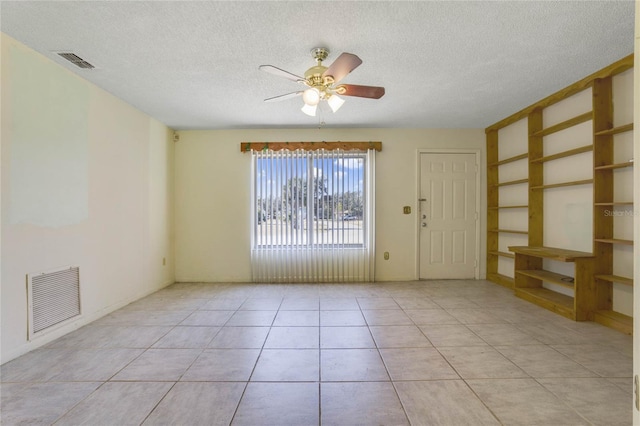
point(87, 180)
point(213, 196)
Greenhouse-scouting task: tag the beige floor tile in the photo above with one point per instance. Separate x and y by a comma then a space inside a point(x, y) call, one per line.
point(252, 318)
point(117, 403)
point(346, 338)
point(292, 318)
point(287, 365)
point(601, 360)
point(443, 402)
point(399, 336)
point(208, 318)
point(431, 316)
point(368, 303)
point(351, 365)
point(240, 337)
point(202, 403)
point(502, 334)
point(339, 304)
point(300, 304)
point(417, 364)
point(261, 304)
point(222, 365)
point(222, 304)
point(415, 303)
point(361, 403)
point(444, 335)
point(125, 336)
point(279, 404)
point(124, 317)
point(481, 362)
point(40, 403)
point(188, 337)
point(524, 402)
point(293, 338)
point(91, 364)
point(454, 302)
point(543, 361)
point(341, 318)
point(159, 364)
point(386, 317)
point(588, 395)
point(475, 316)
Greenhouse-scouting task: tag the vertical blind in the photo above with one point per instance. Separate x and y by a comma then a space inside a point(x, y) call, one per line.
point(313, 216)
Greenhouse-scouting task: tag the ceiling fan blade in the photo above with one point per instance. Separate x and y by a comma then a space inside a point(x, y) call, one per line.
point(284, 97)
point(280, 72)
point(372, 92)
point(342, 66)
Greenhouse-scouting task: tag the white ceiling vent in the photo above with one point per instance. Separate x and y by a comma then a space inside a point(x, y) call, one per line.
point(76, 60)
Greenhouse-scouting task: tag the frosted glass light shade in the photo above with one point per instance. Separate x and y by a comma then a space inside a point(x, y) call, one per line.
point(335, 102)
point(309, 109)
point(311, 96)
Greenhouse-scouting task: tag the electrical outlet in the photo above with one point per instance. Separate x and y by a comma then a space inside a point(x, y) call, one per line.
point(386, 255)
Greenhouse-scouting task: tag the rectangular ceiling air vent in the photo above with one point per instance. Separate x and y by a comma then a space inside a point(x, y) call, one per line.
point(76, 60)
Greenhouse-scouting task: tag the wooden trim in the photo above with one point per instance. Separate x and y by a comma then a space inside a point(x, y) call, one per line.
point(309, 146)
point(512, 182)
point(614, 241)
point(616, 68)
point(615, 203)
point(615, 130)
point(558, 185)
point(563, 154)
point(523, 206)
point(615, 279)
point(562, 255)
point(501, 279)
point(615, 166)
point(616, 320)
point(510, 160)
point(565, 124)
point(503, 254)
point(509, 231)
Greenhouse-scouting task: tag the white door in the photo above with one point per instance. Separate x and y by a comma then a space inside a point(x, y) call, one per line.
point(448, 216)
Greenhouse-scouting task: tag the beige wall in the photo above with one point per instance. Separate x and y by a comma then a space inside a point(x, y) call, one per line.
point(87, 181)
point(213, 196)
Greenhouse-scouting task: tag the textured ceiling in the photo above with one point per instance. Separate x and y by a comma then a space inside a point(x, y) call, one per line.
point(194, 65)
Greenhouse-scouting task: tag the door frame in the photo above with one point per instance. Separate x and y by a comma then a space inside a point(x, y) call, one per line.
point(477, 154)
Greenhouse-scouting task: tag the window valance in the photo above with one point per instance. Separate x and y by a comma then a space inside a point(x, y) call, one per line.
point(310, 146)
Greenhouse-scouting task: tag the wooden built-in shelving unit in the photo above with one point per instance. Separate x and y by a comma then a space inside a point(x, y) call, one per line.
point(587, 294)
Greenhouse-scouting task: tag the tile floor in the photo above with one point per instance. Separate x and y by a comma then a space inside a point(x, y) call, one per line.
point(420, 353)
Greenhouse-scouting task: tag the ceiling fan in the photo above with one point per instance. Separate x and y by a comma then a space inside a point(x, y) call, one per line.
point(322, 82)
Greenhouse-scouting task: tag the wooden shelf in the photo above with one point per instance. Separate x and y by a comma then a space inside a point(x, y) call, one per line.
point(565, 124)
point(524, 206)
point(510, 160)
point(501, 279)
point(615, 166)
point(512, 182)
point(503, 254)
point(586, 148)
point(509, 231)
point(549, 299)
point(615, 279)
point(615, 320)
point(548, 276)
point(614, 241)
point(553, 253)
point(615, 130)
point(558, 185)
point(615, 203)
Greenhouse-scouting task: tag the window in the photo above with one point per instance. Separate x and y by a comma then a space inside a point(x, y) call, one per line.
point(312, 215)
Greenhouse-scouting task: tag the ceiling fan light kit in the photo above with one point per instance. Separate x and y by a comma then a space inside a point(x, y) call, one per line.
point(322, 82)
